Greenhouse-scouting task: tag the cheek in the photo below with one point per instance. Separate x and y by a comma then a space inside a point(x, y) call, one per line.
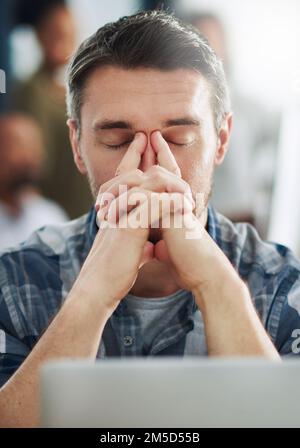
point(99, 174)
point(197, 168)
point(102, 164)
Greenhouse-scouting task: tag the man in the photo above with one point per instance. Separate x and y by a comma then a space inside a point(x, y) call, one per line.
point(22, 208)
point(149, 110)
point(43, 97)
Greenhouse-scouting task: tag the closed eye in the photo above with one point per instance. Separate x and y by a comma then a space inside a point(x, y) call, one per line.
point(121, 145)
point(180, 144)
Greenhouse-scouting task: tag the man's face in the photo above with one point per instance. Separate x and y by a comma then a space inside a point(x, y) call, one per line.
point(22, 152)
point(57, 35)
point(118, 103)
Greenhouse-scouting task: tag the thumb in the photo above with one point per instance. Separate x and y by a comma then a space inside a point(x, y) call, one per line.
point(148, 253)
point(161, 252)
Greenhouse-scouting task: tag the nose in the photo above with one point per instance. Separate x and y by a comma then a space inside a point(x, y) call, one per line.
point(148, 158)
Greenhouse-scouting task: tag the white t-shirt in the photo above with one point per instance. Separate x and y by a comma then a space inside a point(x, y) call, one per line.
point(36, 212)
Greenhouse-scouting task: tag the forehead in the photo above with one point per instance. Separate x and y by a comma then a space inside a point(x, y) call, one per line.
point(144, 96)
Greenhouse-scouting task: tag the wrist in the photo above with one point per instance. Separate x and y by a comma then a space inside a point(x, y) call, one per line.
point(220, 290)
point(100, 300)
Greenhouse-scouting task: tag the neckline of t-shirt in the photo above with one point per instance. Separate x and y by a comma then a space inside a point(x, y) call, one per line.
point(154, 301)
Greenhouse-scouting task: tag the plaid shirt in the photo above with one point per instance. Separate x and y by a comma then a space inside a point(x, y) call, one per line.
point(36, 277)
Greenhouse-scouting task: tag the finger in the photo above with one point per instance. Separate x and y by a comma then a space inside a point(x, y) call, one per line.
point(132, 176)
point(114, 187)
point(164, 154)
point(133, 155)
point(127, 201)
point(160, 179)
point(148, 158)
point(148, 253)
point(190, 228)
point(161, 252)
point(152, 205)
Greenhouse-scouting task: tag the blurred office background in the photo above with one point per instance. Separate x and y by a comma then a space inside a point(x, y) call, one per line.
point(258, 41)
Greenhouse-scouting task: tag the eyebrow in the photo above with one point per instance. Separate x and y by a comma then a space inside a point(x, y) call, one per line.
point(111, 124)
point(185, 121)
point(120, 124)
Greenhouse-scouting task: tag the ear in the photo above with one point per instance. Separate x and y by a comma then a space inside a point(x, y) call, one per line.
point(223, 139)
point(74, 139)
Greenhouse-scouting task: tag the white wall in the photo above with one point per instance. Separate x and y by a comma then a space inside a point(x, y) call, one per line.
point(264, 37)
point(285, 210)
point(91, 14)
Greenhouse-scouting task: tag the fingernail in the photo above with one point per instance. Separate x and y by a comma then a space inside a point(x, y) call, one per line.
point(156, 133)
point(101, 203)
point(139, 135)
point(102, 212)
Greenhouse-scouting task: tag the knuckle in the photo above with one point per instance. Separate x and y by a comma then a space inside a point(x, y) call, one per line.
point(139, 173)
point(155, 173)
point(134, 189)
point(175, 170)
point(102, 189)
point(154, 169)
point(187, 187)
point(162, 169)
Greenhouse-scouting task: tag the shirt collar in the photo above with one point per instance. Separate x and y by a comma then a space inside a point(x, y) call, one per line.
point(91, 226)
point(213, 225)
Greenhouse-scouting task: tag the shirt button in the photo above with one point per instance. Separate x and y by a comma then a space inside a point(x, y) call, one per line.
point(128, 341)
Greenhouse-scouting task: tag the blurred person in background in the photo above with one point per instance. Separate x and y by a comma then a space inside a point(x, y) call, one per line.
point(43, 97)
point(22, 208)
point(243, 183)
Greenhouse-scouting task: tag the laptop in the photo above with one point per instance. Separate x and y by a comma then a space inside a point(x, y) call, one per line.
point(170, 392)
